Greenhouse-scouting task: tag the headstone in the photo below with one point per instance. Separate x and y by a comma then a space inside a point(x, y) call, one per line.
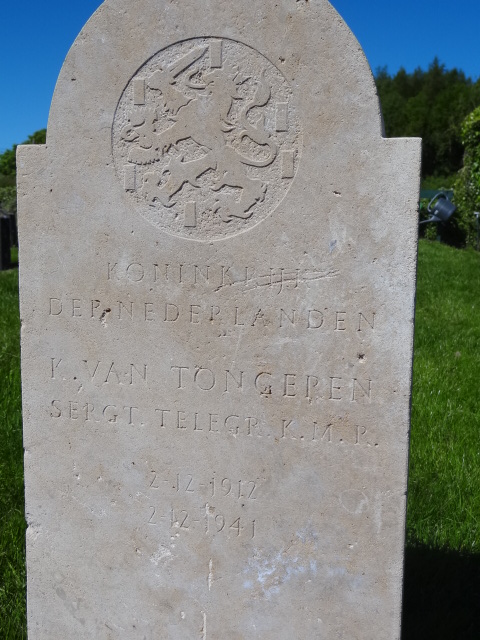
point(218, 252)
point(5, 261)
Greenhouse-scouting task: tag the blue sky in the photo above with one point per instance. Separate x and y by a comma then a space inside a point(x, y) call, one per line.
point(35, 37)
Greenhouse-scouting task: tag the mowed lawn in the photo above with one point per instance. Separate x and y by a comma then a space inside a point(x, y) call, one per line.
point(12, 521)
point(444, 487)
point(442, 576)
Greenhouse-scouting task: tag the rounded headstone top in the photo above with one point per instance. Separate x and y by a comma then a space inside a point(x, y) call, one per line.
point(202, 118)
point(303, 39)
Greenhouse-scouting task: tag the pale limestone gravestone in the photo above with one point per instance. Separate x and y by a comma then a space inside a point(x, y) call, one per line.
point(217, 255)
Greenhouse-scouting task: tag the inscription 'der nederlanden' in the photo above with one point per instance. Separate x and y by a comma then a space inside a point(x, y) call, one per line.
point(206, 138)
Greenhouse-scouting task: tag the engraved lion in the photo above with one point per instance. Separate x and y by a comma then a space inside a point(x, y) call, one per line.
point(203, 116)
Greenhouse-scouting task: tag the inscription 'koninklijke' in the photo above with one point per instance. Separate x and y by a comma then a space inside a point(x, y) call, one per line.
point(218, 277)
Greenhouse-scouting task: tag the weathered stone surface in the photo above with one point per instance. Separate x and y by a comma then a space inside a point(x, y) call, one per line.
point(217, 251)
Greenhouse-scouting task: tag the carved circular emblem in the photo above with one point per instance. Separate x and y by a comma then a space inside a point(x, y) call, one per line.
point(206, 138)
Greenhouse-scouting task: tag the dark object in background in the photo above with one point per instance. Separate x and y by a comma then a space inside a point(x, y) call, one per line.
point(5, 262)
point(13, 230)
point(442, 592)
point(440, 208)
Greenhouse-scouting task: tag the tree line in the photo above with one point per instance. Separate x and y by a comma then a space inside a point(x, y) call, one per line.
point(443, 108)
point(438, 105)
point(431, 105)
point(8, 172)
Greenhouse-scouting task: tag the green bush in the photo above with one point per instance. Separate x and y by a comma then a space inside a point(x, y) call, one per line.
point(8, 199)
point(467, 185)
point(8, 172)
point(7, 181)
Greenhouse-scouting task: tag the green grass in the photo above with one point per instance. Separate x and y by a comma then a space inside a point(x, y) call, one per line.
point(442, 569)
point(444, 488)
point(12, 522)
point(442, 572)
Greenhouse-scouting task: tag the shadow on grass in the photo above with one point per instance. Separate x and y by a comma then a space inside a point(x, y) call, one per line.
point(442, 595)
